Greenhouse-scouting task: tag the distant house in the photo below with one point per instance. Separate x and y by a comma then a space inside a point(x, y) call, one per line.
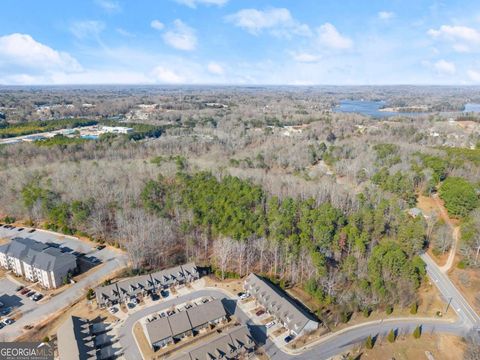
point(124, 290)
point(117, 129)
point(36, 261)
point(236, 343)
point(277, 303)
point(414, 212)
point(163, 331)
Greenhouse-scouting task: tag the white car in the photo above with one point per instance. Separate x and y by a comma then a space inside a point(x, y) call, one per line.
point(244, 296)
point(112, 310)
point(8, 321)
point(134, 301)
point(270, 324)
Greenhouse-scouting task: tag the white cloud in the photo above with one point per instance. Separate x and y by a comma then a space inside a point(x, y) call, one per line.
point(87, 28)
point(278, 21)
point(329, 36)
point(445, 67)
point(109, 6)
point(164, 75)
point(182, 37)
point(306, 57)
point(386, 15)
point(474, 75)
point(124, 32)
point(157, 24)
point(193, 3)
point(215, 68)
point(22, 51)
point(462, 38)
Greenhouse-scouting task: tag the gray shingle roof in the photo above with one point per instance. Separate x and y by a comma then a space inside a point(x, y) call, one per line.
point(277, 302)
point(74, 340)
point(158, 330)
point(37, 254)
point(179, 323)
point(202, 314)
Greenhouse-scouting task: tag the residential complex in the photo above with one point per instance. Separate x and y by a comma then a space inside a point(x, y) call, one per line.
point(36, 261)
point(123, 290)
point(279, 304)
point(81, 339)
point(234, 344)
point(166, 330)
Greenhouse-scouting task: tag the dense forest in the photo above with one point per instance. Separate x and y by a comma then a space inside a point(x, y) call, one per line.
point(265, 180)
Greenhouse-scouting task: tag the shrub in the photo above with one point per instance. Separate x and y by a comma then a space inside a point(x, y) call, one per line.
point(391, 336)
point(389, 309)
point(369, 342)
point(461, 264)
point(417, 332)
point(413, 308)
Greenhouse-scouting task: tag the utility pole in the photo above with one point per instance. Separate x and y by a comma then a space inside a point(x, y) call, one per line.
point(448, 305)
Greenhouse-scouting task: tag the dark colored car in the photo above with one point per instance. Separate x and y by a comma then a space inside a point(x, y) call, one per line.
point(164, 293)
point(32, 230)
point(19, 229)
point(24, 291)
point(288, 338)
point(37, 297)
point(30, 293)
point(260, 312)
point(21, 287)
point(101, 247)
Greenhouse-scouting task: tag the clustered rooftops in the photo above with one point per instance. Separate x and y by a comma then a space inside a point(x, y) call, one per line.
point(277, 303)
point(227, 346)
point(183, 321)
point(37, 254)
point(136, 285)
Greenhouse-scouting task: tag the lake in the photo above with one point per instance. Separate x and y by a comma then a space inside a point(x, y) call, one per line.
point(369, 108)
point(472, 107)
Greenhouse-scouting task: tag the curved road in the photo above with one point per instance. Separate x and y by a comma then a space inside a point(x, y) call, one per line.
point(328, 346)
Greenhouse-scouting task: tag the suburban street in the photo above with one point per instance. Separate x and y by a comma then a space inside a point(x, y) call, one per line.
point(111, 262)
point(450, 293)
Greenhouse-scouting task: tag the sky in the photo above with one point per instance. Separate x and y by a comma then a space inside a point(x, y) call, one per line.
point(240, 42)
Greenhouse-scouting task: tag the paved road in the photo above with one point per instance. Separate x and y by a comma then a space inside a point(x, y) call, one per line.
point(331, 345)
point(465, 312)
point(112, 261)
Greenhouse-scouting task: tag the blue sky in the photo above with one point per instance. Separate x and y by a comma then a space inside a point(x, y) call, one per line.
point(295, 42)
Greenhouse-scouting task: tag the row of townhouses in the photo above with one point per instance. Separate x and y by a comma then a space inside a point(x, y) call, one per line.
point(81, 339)
point(123, 290)
point(278, 304)
point(234, 344)
point(36, 261)
point(163, 331)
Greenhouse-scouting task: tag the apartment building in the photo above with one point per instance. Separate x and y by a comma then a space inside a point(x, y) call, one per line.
point(36, 261)
point(279, 304)
point(124, 290)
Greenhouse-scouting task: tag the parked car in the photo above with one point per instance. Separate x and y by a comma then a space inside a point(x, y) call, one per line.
point(205, 300)
point(270, 324)
point(32, 231)
point(162, 314)
point(134, 300)
point(289, 338)
point(20, 229)
point(24, 291)
point(130, 305)
point(244, 296)
point(112, 310)
point(20, 287)
point(164, 293)
point(30, 293)
point(37, 297)
point(260, 312)
point(188, 306)
point(101, 247)
point(8, 321)
point(170, 312)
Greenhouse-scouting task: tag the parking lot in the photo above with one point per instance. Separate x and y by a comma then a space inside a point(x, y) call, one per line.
point(12, 300)
point(102, 262)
